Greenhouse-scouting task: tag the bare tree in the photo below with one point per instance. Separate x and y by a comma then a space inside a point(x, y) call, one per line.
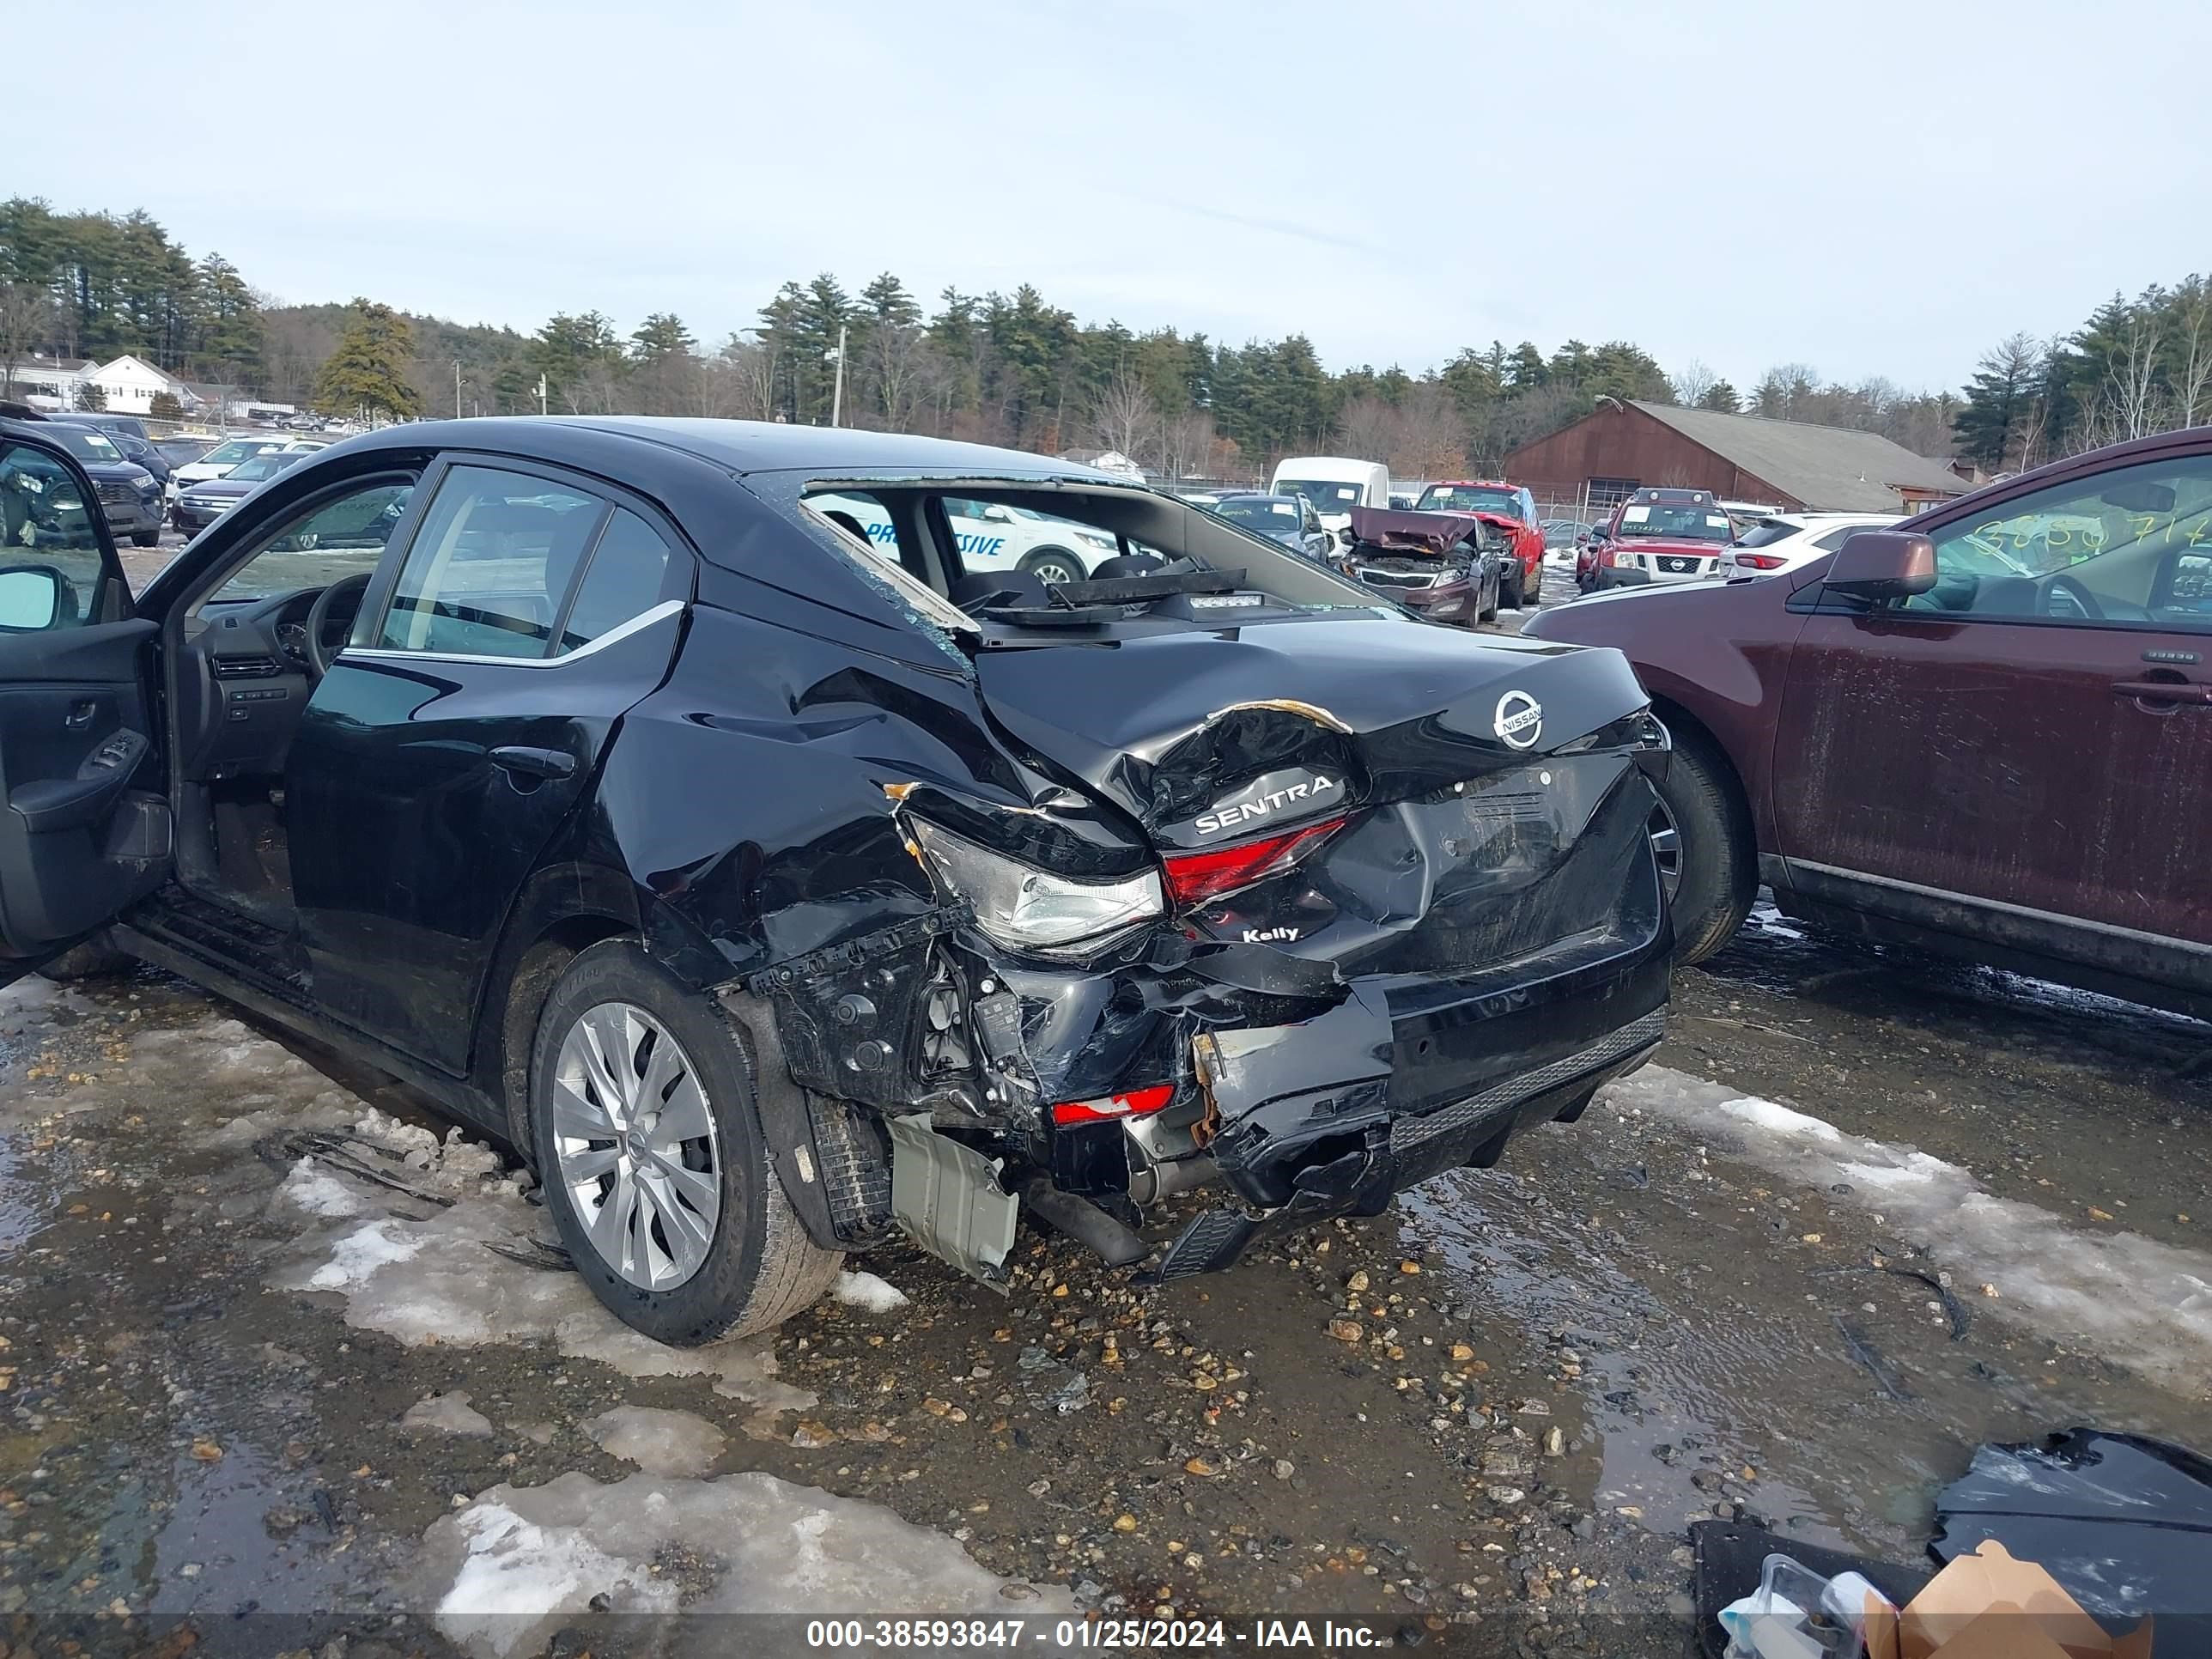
point(1187, 445)
point(746, 370)
point(2131, 389)
point(1368, 426)
point(27, 321)
point(1123, 414)
point(1692, 385)
point(2192, 377)
point(907, 375)
point(1430, 440)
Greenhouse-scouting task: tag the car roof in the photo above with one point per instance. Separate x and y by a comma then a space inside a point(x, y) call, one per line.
point(1330, 468)
point(745, 446)
point(1471, 483)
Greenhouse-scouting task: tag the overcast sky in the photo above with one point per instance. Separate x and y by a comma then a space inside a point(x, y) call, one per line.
point(1869, 187)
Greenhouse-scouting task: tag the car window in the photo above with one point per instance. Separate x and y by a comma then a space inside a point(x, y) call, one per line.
point(628, 572)
point(50, 567)
point(491, 565)
point(2131, 544)
point(342, 537)
point(1836, 537)
point(231, 453)
point(862, 517)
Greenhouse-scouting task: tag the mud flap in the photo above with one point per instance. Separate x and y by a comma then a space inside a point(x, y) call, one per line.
point(948, 1198)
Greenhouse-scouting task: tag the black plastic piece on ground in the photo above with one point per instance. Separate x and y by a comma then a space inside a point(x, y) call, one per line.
point(1085, 1223)
point(2124, 1522)
point(1213, 1240)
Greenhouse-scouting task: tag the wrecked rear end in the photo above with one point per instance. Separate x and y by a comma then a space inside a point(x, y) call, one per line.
point(1185, 880)
point(1407, 913)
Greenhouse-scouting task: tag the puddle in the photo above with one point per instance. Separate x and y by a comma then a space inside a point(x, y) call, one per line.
point(1785, 958)
point(21, 1211)
point(1714, 1367)
point(233, 1544)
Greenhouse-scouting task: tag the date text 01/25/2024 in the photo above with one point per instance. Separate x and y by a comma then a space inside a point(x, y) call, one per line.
point(945, 1635)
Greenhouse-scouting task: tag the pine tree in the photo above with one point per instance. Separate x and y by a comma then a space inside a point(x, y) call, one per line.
point(661, 337)
point(368, 370)
point(1722, 397)
point(1998, 401)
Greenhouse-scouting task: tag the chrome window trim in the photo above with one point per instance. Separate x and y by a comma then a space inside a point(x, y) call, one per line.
point(643, 620)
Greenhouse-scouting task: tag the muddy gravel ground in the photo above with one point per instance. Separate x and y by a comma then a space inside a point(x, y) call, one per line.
point(286, 1367)
point(283, 1367)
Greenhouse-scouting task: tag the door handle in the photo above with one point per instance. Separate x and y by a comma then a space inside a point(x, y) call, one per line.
point(2165, 690)
point(80, 715)
point(553, 763)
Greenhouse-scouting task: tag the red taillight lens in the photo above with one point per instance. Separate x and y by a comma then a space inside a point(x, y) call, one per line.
point(1760, 561)
point(1195, 878)
point(1135, 1103)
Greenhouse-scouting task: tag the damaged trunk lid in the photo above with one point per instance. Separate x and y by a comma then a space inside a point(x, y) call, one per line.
point(1358, 795)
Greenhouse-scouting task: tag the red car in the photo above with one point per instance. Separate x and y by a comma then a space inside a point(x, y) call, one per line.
point(1990, 735)
point(1508, 508)
point(1657, 535)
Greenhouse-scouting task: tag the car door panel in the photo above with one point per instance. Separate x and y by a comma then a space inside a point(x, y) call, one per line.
point(427, 780)
point(1997, 760)
point(81, 836)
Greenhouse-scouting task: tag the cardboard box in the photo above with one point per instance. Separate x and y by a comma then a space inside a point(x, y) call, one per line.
point(1987, 1606)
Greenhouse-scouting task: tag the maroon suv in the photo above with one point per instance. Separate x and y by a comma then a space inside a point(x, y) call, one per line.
point(1990, 732)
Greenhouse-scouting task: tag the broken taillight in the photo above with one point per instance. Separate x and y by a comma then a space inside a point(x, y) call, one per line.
point(1135, 1103)
point(1195, 878)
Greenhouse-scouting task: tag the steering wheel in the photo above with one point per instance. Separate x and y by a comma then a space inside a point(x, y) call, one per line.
point(320, 656)
point(2063, 596)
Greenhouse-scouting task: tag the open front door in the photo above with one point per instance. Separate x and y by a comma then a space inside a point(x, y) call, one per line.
point(84, 825)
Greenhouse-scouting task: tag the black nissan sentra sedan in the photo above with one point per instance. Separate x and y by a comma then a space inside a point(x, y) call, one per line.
point(778, 887)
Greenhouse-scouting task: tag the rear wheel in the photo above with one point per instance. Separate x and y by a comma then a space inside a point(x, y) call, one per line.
point(655, 1169)
point(1701, 837)
point(1052, 565)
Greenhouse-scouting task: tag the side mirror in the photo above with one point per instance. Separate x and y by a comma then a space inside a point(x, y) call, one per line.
point(997, 514)
point(30, 597)
point(1883, 564)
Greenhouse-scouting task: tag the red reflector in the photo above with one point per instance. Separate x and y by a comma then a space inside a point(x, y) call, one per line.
point(1135, 1103)
point(1195, 878)
point(1761, 560)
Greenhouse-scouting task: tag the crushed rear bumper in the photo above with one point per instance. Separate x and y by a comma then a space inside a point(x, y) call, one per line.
point(1335, 1114)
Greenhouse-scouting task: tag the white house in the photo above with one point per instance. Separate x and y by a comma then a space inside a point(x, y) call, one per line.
point(48, 382)
point(131, 384)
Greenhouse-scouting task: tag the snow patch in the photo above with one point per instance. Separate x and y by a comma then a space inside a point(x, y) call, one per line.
point(315, 1190)
point(658, 1441)
point(356, 1257)
point(1780, 1120)
point(437, 1279)
point(445, 1413)
point(2131, 1299)
point(510, 1569)
point(868, 1292)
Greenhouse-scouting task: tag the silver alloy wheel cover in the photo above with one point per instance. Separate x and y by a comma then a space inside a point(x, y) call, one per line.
point(1066, 568)
point(1666, 850)
point(635, 1144)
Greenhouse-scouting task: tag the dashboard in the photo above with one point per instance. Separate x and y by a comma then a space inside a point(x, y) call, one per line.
point(243, 680)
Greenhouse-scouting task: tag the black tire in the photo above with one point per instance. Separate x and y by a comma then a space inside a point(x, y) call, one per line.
point(1489, 613)
point(97, 958)
point(761, 1267)
point(1509, 586)
point(1065, 566)
point(146, 537)
point(1718, 868)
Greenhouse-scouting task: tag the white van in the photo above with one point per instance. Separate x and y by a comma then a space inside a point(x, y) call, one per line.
point(1334, 485)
